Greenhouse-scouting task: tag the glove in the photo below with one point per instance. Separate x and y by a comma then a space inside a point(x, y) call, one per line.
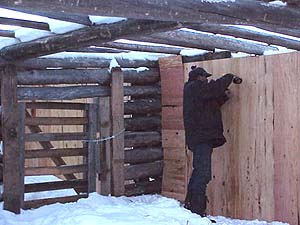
point(237, 80)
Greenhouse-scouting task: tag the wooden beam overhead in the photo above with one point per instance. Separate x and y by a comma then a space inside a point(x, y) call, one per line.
point(144, 47)
point(81, 38)
point(97, 50)
point(249, 12)
point(238, 32)
point(209, 42)
point(24, 23)
point(7, 33)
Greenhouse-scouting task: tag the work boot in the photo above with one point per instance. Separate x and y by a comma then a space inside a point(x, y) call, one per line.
point(187, 201)
point(198, 205)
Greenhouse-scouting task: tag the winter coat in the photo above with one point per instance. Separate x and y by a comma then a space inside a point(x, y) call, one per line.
point(202, 101)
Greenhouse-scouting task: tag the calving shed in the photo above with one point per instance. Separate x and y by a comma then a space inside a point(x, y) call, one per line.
point(108, 120)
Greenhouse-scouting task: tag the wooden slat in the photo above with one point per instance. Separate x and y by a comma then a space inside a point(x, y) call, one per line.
point(58, 161)
point(39, 153)
point(117, 118)
point(37, 121)
point(34, 171)
point(56, 105)
point(56, 185)
point(148, 123)
point(104, 122)
point(13, 176)
point(41, 137)
point(93, 151)
point(38, 203)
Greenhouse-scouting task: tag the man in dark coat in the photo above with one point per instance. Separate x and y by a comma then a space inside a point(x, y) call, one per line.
point(202, 101)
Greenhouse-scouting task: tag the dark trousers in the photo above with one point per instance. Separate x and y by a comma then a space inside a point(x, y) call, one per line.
point(201, 174)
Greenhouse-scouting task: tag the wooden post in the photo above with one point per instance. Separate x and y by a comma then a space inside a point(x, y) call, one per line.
point(92, 134)
point(117, 118)
point(105, 185)
point(13, 176)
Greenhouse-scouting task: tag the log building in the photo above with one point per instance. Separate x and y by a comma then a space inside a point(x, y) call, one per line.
point(108, 120)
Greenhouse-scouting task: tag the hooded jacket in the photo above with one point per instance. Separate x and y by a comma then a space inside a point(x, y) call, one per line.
point(202, 101)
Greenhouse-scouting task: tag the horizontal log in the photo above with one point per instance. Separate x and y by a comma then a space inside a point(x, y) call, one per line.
point(143, 155)
point(61, 93)
point(246, 12)
point(143, 123)
point(56, 185)
point(36, 121)
point(142, 188)
point(85, 62)
point(143, 170)
point(37, 171)
point(7, 33)
point(141, 139)
point(269, 38)
point(74, 92)
point(55, 136)
point(56, 105)
point(144, 47)
point(41, 153)
point(93, 49)
point(24, 23)
point(41, 202)
point(142, 106)
point(82, 76)
point(81, 38)
point(207, 56)
point(211, 41)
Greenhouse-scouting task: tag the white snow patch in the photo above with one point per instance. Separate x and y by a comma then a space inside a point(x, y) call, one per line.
point(282, 50)
point(46, 194)
point(98, 209)
point(239, 55)
point(28, 34)
point(61, 27)
point(105, 20)
point(8, 41)
point(276, 3)
point(113, 64)
point(192, 52)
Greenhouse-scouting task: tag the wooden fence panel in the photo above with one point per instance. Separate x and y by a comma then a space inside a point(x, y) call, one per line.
point(256, 173)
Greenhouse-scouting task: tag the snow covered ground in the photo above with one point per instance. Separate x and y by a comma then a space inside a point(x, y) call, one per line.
point(102, 210)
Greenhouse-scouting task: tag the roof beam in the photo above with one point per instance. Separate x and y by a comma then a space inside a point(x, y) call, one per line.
point(24, 23)
point(210, 41)
point(81, 38)
point(238, 32)
point(7, 33)
point(144, 47)
point(249, 12)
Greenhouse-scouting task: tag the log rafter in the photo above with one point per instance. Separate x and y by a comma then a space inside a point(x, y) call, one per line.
point(238, 12)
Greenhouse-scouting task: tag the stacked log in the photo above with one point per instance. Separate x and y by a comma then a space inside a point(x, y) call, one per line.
point(143, 150)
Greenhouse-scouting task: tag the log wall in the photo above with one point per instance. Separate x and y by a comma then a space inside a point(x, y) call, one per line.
point(256, 173)
point(142, 121)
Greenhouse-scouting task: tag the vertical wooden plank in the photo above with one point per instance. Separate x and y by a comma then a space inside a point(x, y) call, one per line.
point(172, 80)
point(21, 145)
point(117, 120)
point(104, 125)
point(92, 135)
point(13, 162)
point(286, 136)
